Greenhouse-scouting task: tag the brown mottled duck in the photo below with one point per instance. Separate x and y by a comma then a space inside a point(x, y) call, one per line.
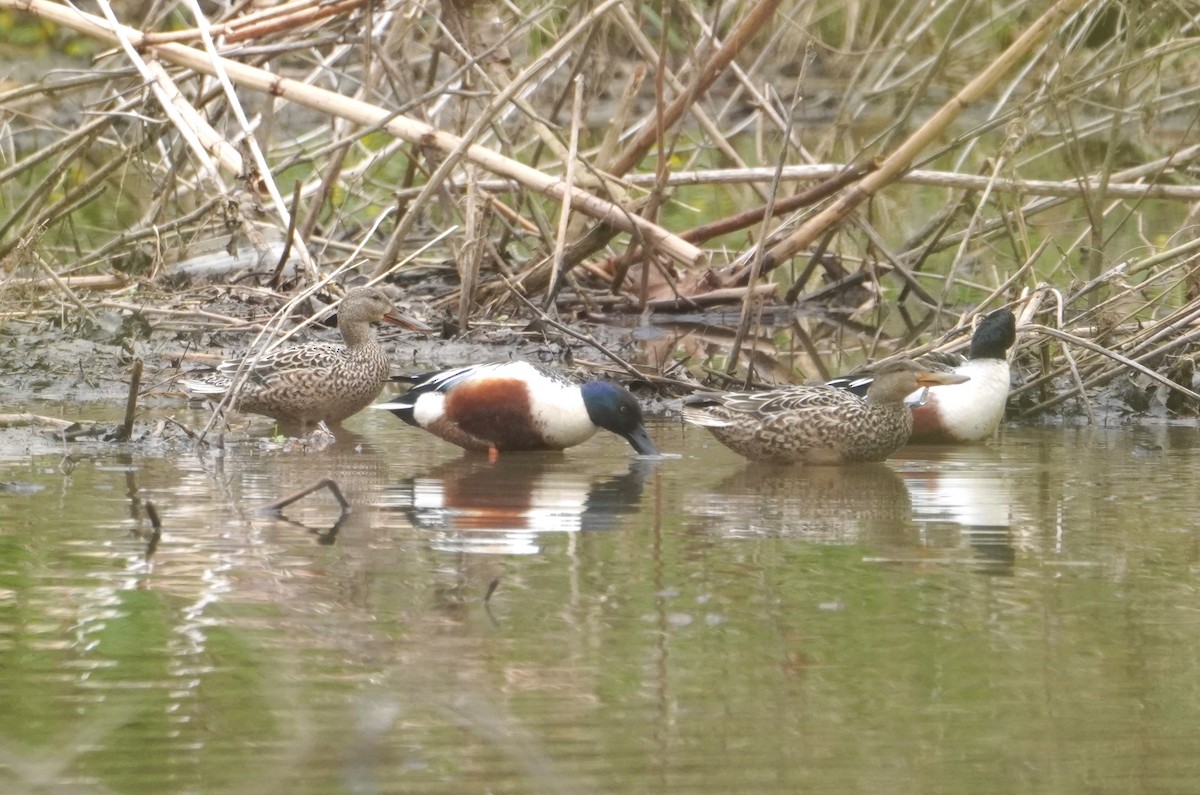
point(318, 382)
point(817, 424)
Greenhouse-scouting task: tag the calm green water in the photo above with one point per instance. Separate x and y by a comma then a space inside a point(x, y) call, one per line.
point(1020, 617)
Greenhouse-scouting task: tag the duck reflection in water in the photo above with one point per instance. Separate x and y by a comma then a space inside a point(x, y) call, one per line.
point(963, 496)
point(478, 506)
point(832, 505)
point(918, 515)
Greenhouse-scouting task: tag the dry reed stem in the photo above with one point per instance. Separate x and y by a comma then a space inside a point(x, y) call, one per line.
point(1067, 189)
point(205, 142)
point(1109, 363)
point(558, 270)
point(285, 16)
point(766, 108)
point(725, 295)
point(1109, 353)
point(65, 289)
point(470, 254)
point(113, 281)
point(78, 195)
point(26, 420)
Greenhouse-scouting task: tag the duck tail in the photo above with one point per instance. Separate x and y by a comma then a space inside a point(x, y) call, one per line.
point(402, 407)
point(213, 384)
point(698, 414)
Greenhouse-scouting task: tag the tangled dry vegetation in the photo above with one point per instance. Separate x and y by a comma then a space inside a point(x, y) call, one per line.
point(842, 180)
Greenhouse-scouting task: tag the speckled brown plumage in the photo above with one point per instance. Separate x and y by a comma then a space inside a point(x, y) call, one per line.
point(317, 382)
point(816, 424)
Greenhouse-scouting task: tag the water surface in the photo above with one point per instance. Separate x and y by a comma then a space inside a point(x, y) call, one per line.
point(1021, 616)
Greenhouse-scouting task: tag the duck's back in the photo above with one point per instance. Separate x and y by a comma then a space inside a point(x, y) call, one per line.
point(812, 425)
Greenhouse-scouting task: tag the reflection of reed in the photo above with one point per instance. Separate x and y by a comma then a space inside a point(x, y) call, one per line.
point(471, 504)
point(213, 521)
point(838, 505)
point(233, 593)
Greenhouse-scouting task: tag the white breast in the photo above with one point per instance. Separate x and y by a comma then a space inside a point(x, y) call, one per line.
point(560, 415)
point(972, 410)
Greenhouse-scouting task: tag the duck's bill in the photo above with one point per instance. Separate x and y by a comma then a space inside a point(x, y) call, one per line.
point(406, 321)
point(641, 442)
point(936, 379)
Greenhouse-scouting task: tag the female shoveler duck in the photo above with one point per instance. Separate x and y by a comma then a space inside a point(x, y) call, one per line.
point(817, 424)
point(968, 412)
point(506, 406)
point(303, 386)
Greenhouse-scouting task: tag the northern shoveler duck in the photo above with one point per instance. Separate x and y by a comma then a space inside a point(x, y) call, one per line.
point(968, 412)
point(817, 424)
point(507, 406)
point(318, 382)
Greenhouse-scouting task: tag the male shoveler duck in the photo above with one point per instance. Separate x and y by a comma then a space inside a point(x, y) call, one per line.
point(968, 412)
point(507, 406)
point(817, 424)
point(318, 382)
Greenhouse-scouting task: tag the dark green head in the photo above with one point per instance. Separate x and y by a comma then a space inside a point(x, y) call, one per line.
point(613, 408)
point(994, 335)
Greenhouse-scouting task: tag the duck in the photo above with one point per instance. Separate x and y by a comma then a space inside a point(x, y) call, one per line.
point(304, 386)
point(966, 412)
point(518, 406)
point(817, 424)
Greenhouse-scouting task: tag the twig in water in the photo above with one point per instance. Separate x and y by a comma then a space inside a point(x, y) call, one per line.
point(491, 589)
point(135, 382)
point(156, 529)
point(324, 483)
